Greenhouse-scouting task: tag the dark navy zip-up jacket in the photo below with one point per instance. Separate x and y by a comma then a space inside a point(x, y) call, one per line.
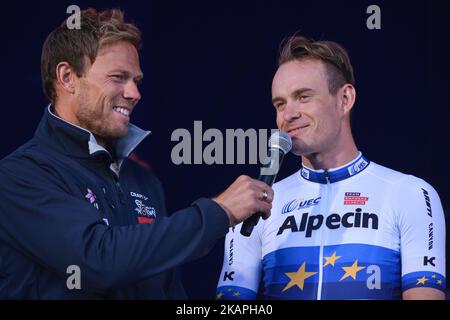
point(63, 204)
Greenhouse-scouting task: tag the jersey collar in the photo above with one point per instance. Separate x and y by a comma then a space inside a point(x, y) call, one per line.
point(352, 168)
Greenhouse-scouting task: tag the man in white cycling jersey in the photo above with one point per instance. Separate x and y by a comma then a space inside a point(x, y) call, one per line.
point(342, 227)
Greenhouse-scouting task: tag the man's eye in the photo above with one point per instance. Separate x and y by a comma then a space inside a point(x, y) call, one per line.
point(302, 97)
point(279, 106)
point(119, 77)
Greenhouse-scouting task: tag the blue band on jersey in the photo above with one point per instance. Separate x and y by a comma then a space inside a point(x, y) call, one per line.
point(423, 279)
point(325, 176)
point(234, 293)
point(349, 271)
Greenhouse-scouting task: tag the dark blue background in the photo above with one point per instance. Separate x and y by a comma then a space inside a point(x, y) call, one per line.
point(214, 61)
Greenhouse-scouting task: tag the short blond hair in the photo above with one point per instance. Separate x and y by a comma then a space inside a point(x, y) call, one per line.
point(333, 55)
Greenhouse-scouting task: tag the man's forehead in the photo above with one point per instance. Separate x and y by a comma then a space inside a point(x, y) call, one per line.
point(119, 55)
point(301, 69)
point(117, 46)
point(303, 73)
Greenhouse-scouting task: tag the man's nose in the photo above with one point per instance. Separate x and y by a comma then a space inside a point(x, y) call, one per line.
point(131, 91)
point(291, 111)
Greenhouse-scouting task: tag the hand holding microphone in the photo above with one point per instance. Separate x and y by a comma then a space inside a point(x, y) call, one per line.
point(244, 197)
point(248, 198)
point(279, 145)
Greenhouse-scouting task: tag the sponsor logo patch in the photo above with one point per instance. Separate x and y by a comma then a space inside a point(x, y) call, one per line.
point(92, 198)
point(355, 198)
point(298, 204)
point(357, 166)
point(309, 223)
point(146, 214)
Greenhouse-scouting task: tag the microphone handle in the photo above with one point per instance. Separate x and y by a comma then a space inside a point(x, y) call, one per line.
point(251, 222)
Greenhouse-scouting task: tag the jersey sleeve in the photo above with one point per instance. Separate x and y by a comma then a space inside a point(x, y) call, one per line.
point(422, 236)
point(242, 265)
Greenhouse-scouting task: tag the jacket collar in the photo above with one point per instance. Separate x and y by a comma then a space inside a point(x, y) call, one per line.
point(352, 168)
point(78, 142)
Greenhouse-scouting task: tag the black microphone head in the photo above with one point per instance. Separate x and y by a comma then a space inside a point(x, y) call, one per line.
point(280, 140)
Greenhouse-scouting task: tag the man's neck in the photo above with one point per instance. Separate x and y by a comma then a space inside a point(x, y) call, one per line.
point(323, 161)
point(70, 117)
point(66, 113)
point(332, 158)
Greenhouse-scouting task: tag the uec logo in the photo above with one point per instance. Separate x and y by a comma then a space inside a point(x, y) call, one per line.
point(297, 204)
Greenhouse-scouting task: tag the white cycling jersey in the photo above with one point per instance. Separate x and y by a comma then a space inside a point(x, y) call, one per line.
point(360, 231)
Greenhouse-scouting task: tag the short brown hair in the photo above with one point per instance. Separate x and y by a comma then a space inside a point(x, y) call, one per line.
point(333, 55)
point(75, 45)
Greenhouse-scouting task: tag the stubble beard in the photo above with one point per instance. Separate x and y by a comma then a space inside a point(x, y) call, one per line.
point(92, 114)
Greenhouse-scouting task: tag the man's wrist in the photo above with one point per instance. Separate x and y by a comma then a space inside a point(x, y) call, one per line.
point(231, 219)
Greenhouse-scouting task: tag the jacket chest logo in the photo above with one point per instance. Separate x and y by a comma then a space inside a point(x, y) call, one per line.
point(143, 210)
point(92, 198)
point(146, 214)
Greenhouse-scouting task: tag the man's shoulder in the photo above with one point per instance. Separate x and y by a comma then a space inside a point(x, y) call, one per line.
point(20, 156)
point(401, 181)
point(31, 161)
point(288, 182)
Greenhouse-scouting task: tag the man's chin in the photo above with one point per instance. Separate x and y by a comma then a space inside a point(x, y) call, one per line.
point(301, 150)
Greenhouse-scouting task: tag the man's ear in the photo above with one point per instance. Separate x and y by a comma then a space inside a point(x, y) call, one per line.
point(347, 98)
point(66, 77)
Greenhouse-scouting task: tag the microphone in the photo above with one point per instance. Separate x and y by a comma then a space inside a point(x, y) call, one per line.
point(279, 144)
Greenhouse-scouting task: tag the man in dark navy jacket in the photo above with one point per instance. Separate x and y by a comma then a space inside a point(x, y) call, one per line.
point(78, 220)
